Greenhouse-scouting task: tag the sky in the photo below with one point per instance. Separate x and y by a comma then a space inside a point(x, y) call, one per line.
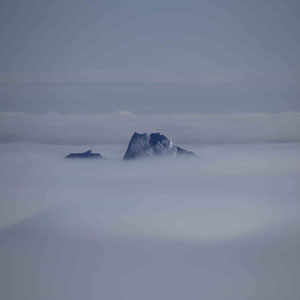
point(149, 57)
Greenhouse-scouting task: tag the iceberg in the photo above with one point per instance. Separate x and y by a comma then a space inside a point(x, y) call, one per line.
point(144, 145)
point(87, 154)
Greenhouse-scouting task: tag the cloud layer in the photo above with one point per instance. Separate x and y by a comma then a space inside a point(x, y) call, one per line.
point(159, 229)
point(117, 128)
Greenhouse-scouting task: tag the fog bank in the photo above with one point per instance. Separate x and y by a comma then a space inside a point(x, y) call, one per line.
point(117, 128)
point(222, 226)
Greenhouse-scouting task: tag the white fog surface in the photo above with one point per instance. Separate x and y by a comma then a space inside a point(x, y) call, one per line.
point(224, 225)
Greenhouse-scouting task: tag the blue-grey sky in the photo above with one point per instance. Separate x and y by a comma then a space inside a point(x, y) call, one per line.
point(149, 56)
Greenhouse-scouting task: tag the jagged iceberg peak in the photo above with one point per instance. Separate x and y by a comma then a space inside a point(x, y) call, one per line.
point(87, 154)
point(145, 145)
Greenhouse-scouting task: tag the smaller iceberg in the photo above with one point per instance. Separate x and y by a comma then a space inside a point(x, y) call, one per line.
point(87, 154)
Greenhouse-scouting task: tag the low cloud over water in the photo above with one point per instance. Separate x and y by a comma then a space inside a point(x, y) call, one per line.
point(117, 128)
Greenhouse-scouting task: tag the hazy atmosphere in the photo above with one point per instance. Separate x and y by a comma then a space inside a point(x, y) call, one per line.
point(149, 56)
point(218, 78)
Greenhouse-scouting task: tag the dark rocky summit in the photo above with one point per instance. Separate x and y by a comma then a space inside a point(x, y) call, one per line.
point(87, 154)
point(155, 144)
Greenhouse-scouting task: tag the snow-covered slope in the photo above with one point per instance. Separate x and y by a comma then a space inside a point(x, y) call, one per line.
point(145, 145)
